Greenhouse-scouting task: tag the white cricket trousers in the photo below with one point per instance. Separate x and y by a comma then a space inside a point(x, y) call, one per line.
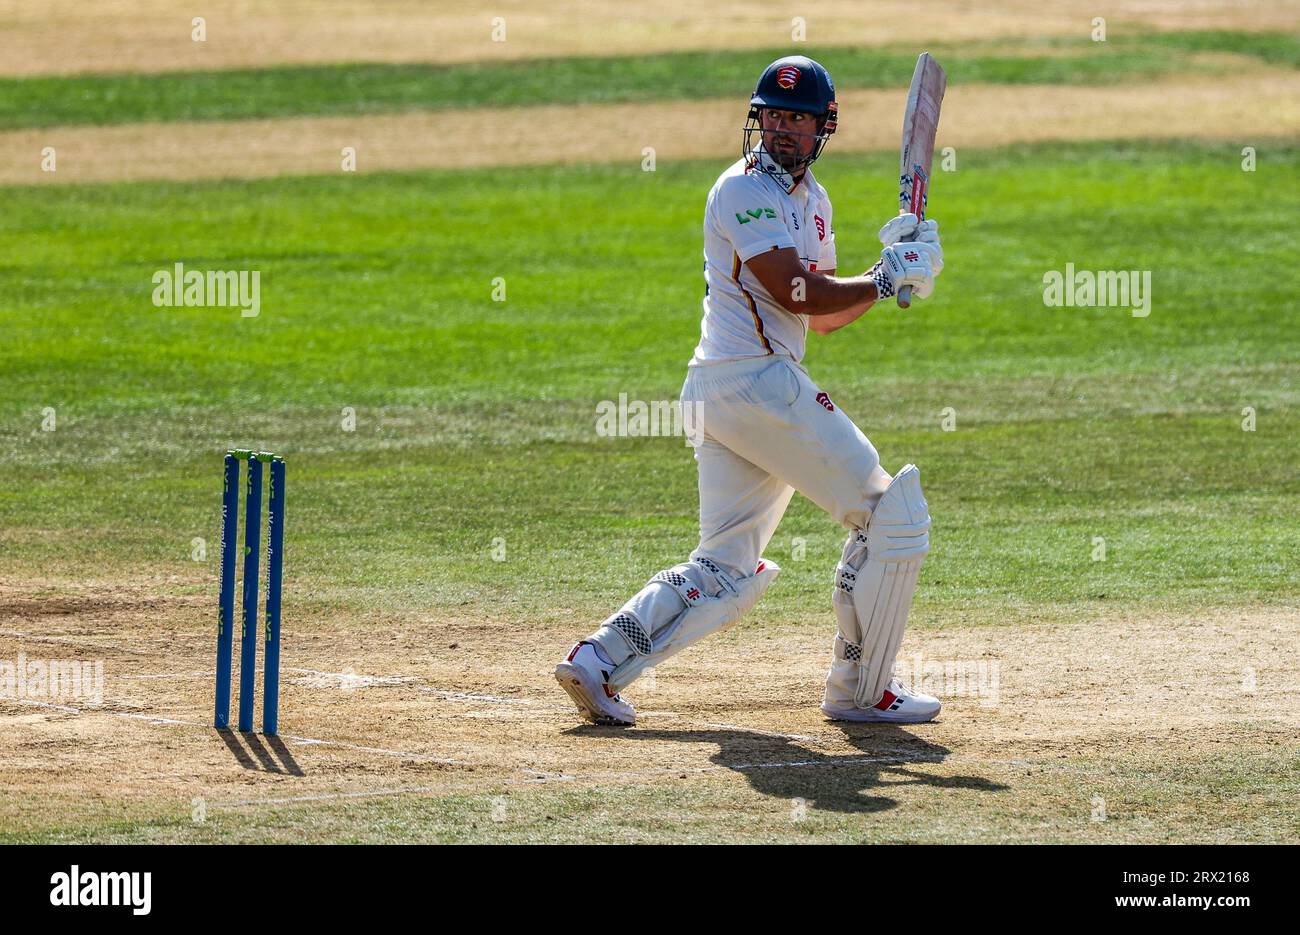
point(764, 431)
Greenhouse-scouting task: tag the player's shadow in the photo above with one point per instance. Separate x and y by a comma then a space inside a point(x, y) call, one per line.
point(785, 768)
point(265, 754)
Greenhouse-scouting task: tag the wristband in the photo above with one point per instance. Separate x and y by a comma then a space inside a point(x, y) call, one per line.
point(884, 282)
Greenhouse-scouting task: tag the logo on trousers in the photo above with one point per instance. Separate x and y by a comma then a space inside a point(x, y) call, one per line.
point(826, 401)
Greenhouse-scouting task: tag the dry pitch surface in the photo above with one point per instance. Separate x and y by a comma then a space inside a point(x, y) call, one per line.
point(429, 708)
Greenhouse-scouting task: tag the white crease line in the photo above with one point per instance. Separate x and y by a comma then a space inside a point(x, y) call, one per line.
point(304, 741)
point(542, 777)
point(423, 757)
point(765, 733)
point(404, 681)
point(165, 675)
point(152, 718)
point(351, 676)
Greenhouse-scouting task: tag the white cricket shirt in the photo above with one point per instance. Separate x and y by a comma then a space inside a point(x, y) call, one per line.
point(748, 212)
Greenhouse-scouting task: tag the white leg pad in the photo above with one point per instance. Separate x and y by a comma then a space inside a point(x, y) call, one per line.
point(701, 616)
point(874, 585)
point(630, 630)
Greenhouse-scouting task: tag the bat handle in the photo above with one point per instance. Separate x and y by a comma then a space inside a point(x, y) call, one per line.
point(905, 293)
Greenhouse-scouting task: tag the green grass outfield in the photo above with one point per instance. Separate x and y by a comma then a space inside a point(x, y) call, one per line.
point(360, 87)
point(475, 418)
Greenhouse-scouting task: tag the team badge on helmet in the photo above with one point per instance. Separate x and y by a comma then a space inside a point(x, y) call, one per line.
point(796, 83)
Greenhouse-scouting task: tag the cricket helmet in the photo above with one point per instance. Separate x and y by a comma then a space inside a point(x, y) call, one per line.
point(797, 83)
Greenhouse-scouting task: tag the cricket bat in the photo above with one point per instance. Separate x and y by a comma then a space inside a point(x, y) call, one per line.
point(920, 121)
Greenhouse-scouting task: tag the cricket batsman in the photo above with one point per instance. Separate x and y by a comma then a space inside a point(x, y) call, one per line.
point(766, 430)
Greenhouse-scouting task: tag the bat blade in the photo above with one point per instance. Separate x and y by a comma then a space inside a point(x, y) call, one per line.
point(920, 122)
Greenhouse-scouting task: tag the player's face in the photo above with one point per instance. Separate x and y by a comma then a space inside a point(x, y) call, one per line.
point(788, 135)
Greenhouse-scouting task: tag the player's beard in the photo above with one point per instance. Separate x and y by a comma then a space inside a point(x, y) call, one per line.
point(789, 159)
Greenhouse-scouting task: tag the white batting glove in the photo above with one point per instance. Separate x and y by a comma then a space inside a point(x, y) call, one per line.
point(912, 264)
point(906, 227)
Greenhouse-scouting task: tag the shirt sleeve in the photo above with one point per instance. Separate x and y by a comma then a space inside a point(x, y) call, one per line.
point(826, 258)
point(750, 218)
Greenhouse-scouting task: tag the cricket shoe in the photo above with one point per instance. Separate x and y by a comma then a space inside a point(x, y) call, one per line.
point(585, 676)
point(899, 705)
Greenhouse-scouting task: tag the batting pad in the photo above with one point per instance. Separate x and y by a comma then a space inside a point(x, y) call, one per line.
point(875, 582)
point(703, 616)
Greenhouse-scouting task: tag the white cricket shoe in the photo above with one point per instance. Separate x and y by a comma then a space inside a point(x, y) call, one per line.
point(585, 676)
point(899, 705)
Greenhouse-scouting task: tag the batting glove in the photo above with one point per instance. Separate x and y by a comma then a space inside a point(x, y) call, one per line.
point(907, 227)
point(908, 264)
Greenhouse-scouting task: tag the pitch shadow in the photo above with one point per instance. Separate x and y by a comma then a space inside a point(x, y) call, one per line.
point(782, 768)
point(257, 756)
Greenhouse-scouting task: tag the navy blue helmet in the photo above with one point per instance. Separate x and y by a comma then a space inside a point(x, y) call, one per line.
point(796, 83)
